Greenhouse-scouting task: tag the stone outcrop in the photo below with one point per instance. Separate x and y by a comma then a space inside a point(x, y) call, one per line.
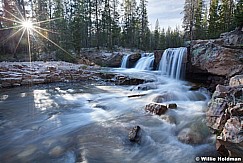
point(132, 60)
point(213, 61)
point(157, 57)
point(110, 59)
point(225, 117)
point(234, 39)
point(24, 73)
point(210, 56)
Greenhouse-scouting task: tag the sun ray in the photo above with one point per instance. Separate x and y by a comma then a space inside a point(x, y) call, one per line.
point(20, 39)
point(23, 18)
point(49, 20)
point(15, 21)
point(46, 30)
point(32, 29)
point(29, 48)
point(12, 35)
point(52, 42)
point(13, 27)
point(13, 16)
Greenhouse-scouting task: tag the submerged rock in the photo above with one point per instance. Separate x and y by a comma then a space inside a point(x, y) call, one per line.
point(135, 134)
point(190, 136)
point(126, 80)
point(56, 151)
point(28, 151)
point(171, 106)
point(147, 86)
point(164, 97)
point(168, 118)
point(155, 108)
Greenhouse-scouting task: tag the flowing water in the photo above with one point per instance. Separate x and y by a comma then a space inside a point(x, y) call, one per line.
point(90, 123)
point(125, 61)
point(145, 62)
point(81, 122)
point(171, 63)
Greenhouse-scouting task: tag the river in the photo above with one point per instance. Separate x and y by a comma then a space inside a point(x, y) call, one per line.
point(80, 122)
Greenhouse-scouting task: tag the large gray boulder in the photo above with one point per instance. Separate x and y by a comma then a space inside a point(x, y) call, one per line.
point(222, 57)
point(225, 117)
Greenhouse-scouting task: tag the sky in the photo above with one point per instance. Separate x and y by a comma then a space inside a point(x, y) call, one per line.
point(168, 12)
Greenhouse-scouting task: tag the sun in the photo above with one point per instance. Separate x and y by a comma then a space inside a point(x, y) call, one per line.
point(27, 24)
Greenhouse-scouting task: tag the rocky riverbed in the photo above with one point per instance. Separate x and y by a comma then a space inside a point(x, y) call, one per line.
point(24, 73)
point(225, 117)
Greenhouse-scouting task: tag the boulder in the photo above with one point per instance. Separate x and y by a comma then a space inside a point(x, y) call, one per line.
point(233, 38)
point(171, 106)
point(225, 117)
point(213, 58)
point(126, 80)
point(167, 96)
point(155, 108)
point(212, 62)
point(168, 118)
point(102, 58)
point(221, 149)
point(189, 136)
point(135, 134)
point(147, 86)
point(157, 57)
point(236, 80)
point(133, 58)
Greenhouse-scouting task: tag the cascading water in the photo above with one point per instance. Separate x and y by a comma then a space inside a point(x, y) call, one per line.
point(125, 61)
point(146, 62)
point(171, 63)
point(82, 122)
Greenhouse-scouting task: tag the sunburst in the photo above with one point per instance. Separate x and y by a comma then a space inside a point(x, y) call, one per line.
point(25, 25)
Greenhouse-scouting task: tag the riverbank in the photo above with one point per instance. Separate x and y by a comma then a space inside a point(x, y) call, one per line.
point(14, 74)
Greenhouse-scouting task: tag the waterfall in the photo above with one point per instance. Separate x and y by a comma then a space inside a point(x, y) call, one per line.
point(146, 62)
point(171, 63)
point(125, 61)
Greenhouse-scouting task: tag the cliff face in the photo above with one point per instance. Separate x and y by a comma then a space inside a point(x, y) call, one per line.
point(213, 61)
point(223, 56)
point(212, 57)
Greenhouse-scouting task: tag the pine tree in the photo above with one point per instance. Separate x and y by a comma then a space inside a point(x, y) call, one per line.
point(238, 15)
point(189, 17)
point(226, 15)
point(106, 25)
point(143, 20)
point(213, 22)
point(199, 31)
point(205, 24)
point(115, 26)
point(129, 24)
point(156, 35)
point(162, 43)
